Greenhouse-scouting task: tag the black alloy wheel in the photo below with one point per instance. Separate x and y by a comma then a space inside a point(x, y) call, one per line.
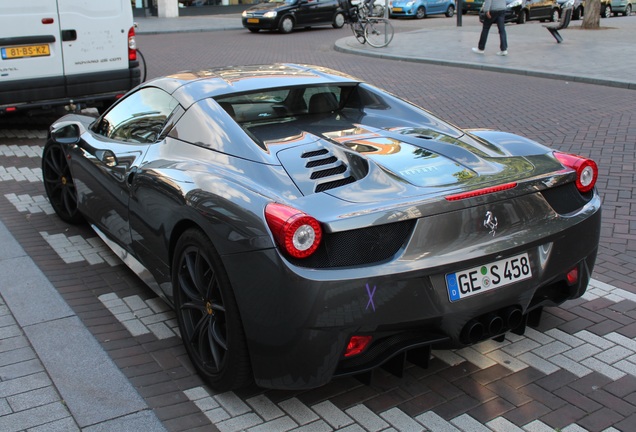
point(207, 313)
point(58, 183)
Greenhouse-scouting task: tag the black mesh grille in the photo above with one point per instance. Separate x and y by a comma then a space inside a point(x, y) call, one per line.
point(566, 198)
point(328, 172)
point(358, 247)
point(334, 184)
point(321, 162)
point(314, 153)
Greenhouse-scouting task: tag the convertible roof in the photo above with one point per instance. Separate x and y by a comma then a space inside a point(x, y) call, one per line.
point(191, 86)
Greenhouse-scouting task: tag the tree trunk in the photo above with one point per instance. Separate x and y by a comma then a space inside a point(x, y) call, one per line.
point(592, 14)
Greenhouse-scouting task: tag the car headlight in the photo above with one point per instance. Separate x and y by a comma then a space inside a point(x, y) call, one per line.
point(514, 4)
point(244, 14)
point(270, 14)
point(409, 4)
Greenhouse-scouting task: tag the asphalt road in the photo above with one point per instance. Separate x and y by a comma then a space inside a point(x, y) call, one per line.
point(502, 389)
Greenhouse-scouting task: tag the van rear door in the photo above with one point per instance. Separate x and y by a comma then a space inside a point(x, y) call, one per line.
point(29, 41)
point(95, 35)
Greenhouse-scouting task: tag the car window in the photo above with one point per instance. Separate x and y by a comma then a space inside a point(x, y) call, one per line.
point(277, 103)
point(139, 118)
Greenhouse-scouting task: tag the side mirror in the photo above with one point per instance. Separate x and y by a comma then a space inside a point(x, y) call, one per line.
point(68, 133)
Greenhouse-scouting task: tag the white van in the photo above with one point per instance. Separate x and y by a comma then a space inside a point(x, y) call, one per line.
point(66, 52)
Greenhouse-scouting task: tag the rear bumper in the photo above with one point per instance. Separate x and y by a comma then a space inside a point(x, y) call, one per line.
point(298, 321)
point(48, 92)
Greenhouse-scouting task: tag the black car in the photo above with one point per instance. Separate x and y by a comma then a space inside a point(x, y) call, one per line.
point(286, 15)
point(520, 11)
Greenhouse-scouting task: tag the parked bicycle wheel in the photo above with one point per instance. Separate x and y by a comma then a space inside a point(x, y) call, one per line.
point(358, 31)
point(378, 32)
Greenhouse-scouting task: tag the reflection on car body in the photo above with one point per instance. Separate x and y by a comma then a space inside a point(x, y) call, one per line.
point(306, 225)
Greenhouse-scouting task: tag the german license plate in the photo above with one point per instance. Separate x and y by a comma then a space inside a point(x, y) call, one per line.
point(252, 20)
point(486, 277)
point(25, 51)
point(397, 9)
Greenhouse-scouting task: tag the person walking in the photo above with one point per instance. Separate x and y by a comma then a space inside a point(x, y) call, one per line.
point(495, 13)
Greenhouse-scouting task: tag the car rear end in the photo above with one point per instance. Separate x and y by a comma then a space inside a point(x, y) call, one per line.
point(475, 250)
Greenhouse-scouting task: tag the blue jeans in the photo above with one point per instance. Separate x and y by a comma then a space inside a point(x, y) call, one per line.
point(499, 18)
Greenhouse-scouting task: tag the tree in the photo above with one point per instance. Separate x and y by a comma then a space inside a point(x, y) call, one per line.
point(591, 14)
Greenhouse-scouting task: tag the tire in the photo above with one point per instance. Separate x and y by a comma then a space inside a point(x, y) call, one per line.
point(207, 313)
point(59, 185)
point(378, 11)
point(606, 12)
point(378, 32)
point(286, 24)
point(253, 30)
point(628, 10)
point(358, 32)
point(338, 20)
point(521, 19)
point(555, 15)
point(420, 12)
point(450, 11)
point(577, 14)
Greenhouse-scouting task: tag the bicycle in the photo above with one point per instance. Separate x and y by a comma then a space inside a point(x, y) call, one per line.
point(374, 30)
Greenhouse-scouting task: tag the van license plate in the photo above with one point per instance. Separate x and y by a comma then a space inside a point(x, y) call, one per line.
point(252, 20)
point(25, 51)
point(489, 276)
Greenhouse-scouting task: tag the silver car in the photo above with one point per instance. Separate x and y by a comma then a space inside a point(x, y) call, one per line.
point(305, 224)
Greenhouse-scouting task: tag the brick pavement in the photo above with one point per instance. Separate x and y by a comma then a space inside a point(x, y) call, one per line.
point(575, 373)
point(28, 398)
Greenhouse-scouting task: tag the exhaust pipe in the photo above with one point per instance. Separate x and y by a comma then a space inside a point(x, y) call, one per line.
point(473, 331)
point(495, 324)
point(513, 317)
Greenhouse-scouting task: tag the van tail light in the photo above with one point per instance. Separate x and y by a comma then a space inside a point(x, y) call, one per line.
point(586, 170)
point(132, 45)
point(297, 233)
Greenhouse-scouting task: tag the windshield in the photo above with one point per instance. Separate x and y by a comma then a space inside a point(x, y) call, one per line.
point(283, 1)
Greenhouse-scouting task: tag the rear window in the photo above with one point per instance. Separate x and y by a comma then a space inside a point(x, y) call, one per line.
point(278, 103)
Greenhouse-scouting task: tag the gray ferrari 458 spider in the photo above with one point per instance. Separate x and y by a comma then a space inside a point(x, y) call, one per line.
point(306, 225)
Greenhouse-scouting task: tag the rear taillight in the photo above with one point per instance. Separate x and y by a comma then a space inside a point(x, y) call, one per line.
point(132, 45)
point(586, 170)
point(297, 233)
